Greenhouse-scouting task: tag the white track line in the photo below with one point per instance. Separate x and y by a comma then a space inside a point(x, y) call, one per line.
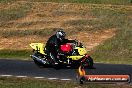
point(39, 77)
point(6, 75)
point(21, 76)
point(65, 79)
point(53, 78)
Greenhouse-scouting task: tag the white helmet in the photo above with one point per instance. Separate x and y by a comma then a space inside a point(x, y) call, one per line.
point(60, 34)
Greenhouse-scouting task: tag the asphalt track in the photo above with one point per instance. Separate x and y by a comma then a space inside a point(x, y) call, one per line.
point(29, 69)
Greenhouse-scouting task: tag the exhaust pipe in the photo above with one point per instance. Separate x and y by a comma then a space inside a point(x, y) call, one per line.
point(38, 59)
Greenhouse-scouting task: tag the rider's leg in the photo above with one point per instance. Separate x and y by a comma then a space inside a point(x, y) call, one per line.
point(53, 56)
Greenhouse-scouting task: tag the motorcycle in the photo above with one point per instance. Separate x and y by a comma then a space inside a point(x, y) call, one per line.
point(72, 55)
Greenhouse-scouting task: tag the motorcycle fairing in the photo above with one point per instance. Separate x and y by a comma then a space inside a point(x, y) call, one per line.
point(81, 51)
point(75, 57)
point(38, 47)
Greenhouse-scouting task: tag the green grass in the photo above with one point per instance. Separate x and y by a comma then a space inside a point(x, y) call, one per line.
point(15, 54)
point(13, 13)
point(38, 32)
point(118, 2)
point(22, 33)
point(116, 50)
point(6, 1)
point(35, 83)
point(26, 24)
point(119, 48)
point(105, 19)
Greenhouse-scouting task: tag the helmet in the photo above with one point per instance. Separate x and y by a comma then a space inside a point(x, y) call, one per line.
point(60, 34)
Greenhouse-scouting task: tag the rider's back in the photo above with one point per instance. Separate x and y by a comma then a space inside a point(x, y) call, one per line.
point(52, 44)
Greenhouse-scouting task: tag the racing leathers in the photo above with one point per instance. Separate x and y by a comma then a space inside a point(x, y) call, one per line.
point(52, 47)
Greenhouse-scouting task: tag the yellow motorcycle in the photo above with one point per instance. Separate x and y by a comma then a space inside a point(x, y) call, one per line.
point(72, 55)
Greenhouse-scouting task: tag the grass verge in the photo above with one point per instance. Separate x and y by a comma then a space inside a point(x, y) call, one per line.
point(119, 48)
point(15, 54)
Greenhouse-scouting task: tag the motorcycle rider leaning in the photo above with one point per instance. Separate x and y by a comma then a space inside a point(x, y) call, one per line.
point(53, 44)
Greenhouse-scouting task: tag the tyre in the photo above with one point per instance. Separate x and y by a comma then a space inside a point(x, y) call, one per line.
point(57, 67)
point(82, 80)
point(38, 64)
point(88, 62)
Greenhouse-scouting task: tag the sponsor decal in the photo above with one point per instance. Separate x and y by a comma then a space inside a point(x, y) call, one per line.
point(107, 78)
point(102, 78)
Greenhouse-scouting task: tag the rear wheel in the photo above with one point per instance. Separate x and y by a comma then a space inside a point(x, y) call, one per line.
point(82, 80)
point(38, 64)
point(88, 62)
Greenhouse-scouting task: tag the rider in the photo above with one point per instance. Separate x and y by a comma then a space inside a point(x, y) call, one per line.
point(53, 44)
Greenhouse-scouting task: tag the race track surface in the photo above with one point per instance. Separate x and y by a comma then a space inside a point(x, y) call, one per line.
point(28, 68)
